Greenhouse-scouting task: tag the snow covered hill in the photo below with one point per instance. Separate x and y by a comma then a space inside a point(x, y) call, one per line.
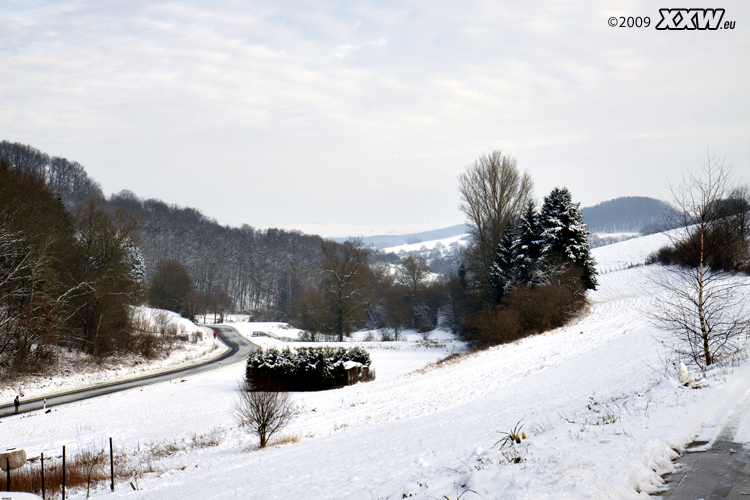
point(599, 402)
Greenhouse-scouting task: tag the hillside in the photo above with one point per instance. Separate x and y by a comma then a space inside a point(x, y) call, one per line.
point(602, 411)
point(630, 214)
point(384, 241)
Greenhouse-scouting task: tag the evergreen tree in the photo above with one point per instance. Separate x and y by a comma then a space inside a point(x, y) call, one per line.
point(565, 237)
point(137, 263)
point(529, 245)
point(504, 273)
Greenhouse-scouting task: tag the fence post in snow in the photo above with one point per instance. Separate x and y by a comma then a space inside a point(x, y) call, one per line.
point(111, 464)
point(63, 478)
point(41, 460)
point(7, 468)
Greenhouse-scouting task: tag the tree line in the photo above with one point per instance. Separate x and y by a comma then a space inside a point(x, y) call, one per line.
point(630, 214)
point(74, 261)
point(66, 278)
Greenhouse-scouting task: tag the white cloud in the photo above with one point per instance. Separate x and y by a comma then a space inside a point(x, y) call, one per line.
point(320, 101)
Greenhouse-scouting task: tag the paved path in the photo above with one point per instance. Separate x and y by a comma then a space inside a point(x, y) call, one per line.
point(239, 348)
point(722, 472)
point(719, 472)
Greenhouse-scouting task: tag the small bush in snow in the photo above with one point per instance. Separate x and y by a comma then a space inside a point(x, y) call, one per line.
point(264, 412)
point(387, 335)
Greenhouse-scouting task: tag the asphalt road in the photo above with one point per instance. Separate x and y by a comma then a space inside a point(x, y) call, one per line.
point(722, 472)
point(719, 472)
point(239, 348)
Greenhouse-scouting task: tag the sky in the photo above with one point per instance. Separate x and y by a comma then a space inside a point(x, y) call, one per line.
point(365, 112)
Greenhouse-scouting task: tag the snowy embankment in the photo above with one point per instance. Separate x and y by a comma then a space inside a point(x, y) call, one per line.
point(189, 344)
point(601, 411)
point(628, 253)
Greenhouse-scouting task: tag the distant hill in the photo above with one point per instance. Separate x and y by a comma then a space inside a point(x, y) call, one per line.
point(392, 240)
point(630, 214)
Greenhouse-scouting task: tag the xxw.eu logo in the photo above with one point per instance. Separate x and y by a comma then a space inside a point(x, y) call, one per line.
point(692, 19)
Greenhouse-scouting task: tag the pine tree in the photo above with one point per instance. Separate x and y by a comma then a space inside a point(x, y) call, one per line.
point(137, 263)
point(504, 273)
point(529, 245)
point(565, 237)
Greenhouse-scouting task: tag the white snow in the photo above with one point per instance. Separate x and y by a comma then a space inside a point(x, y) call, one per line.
point(599, 401)
point(628, 253)
point(444, 243)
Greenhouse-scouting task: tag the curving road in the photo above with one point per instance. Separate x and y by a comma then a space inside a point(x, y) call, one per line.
point(239, 348)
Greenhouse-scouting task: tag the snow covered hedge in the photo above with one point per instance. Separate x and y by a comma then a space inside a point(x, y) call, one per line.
point(305, 369)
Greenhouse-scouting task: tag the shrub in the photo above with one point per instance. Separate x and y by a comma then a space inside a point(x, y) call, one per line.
point(524, 311)
point(265, 412)
point(386, 334)
point(543, 308)
point(306, 369)
point(493, 326)
point(665, 256)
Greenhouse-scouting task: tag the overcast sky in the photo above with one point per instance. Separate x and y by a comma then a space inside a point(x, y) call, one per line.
point(354, 112)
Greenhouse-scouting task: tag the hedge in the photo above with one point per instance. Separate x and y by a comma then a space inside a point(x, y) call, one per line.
point(304, 369)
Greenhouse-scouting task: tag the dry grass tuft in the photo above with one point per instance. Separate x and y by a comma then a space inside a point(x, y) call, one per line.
point(281, 441)
point(450, 360)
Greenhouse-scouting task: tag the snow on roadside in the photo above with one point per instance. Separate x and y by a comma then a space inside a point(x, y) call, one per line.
point(76, 370)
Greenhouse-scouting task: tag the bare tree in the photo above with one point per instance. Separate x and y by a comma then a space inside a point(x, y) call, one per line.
point(345, 285)
point(704, 304)
point(412, 273)
point(493, 193)
point(265, 412)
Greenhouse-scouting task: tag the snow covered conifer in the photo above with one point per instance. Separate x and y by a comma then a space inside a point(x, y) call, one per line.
point(528, 245)
point(504, 270)
point(137, 263)
point(565, 237)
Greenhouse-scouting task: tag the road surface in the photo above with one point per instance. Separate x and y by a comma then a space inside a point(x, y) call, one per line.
point(239, 348)
point(721, 470)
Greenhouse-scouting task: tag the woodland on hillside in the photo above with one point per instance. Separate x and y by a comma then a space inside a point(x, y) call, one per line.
point(629, 214)
point(71, 274)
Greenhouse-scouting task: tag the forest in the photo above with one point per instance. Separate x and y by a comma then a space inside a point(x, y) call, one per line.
point(73, 261)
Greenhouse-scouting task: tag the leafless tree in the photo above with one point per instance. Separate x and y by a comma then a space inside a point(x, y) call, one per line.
point(704, 307)
point(345, 284)
point(265, 412)
point(412, 273)
point(493, 193)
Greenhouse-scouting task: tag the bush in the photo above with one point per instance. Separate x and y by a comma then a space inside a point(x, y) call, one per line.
point(542, 308)
point(522, 312)
point(387, 334)
point(265, 412)
point(306, 369)
point(664, 256)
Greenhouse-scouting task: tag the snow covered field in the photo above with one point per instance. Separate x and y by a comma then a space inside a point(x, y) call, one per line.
point(601, 412)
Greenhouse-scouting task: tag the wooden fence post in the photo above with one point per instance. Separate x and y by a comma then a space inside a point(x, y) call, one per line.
point(7, 467)
point(111, 464)
point(63, 478)
point(42, 462)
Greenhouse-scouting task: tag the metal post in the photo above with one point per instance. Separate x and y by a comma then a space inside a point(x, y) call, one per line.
point(7, 469)
point(63, 481)
point(42, 461)
point(111, 464)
